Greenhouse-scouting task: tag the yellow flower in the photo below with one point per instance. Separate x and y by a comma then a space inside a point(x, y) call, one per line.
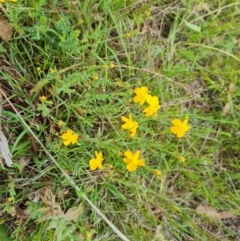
point(111, 65)
point(179, 127)
point(2, 1)
point(118, 82)
point(51, 71)
point(9, 199)
point(130, 125)
point(43, 98)
point(141, 95)
point(153, 105)
point(13, 1)
point(156, 172)
point(132, 160)
point(96, 162)
point(95, 77)
point(69, 137)
point(181, 159)
point(38, 69)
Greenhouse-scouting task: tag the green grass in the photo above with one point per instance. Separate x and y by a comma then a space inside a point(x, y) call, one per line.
point(186, 53)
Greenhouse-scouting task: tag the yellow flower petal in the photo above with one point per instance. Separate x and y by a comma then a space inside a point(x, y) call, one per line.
point(132, 160)
point(132, 132)
point(174, 129)
point(66, 143)
point(69, 138)
point(177, 122)
point(140, 163)
point(156, 172)
point(130, 125)
point(185, 121)
point(131, 167)
point(74, 138)
point(137, 154)
point(43, 98)
point(141, 95)
point(128, 154)
point(93, 164)
point(153, 106)
point(96, 162)
point(181, 159)
point(179, 127)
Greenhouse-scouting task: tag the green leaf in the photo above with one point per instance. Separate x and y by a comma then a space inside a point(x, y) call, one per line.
point(192, 26)
point(2, 49)
point(115, 192)
point(3, 233)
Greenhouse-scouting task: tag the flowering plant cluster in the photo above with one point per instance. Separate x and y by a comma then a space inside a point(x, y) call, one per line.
point(132, 159)
point(143, 96)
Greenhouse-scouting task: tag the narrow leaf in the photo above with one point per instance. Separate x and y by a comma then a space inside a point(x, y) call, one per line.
point(193, 26)
point(115, 192)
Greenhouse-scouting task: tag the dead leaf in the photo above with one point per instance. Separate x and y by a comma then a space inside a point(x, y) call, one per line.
point(6, 30)
point(53, 209)
point(23, 161)
point(231, 88)
point(144, 28)
point(227, 214)
point(202, 7)
point(228, 106)
point(158, 234)
point(73, 213)
point(4, 150)
point(213, 213)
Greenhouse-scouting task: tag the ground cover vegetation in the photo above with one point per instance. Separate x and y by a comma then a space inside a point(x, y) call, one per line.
point(130, 109)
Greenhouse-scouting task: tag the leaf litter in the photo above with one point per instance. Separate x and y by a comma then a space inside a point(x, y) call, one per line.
point(213, 213)
point(6, 30)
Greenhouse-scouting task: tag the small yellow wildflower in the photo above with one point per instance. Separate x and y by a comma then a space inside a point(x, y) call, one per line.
point(111, 66)
point(130, 125)
point(156, 172)
point(95, 77)
point(88, 235)
point(9, 199)
point(128, 35)
point(69, 137)
point(51, 71)
point(43, 98)
point(38, 69)
point(153, 105)
point(118, 82)
point(181, 159)
point(132, 160)
point(141, 95)
point(2, 1)
point(147, 13)
point(14, 1)
point(96, 162)
point(179, 127)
